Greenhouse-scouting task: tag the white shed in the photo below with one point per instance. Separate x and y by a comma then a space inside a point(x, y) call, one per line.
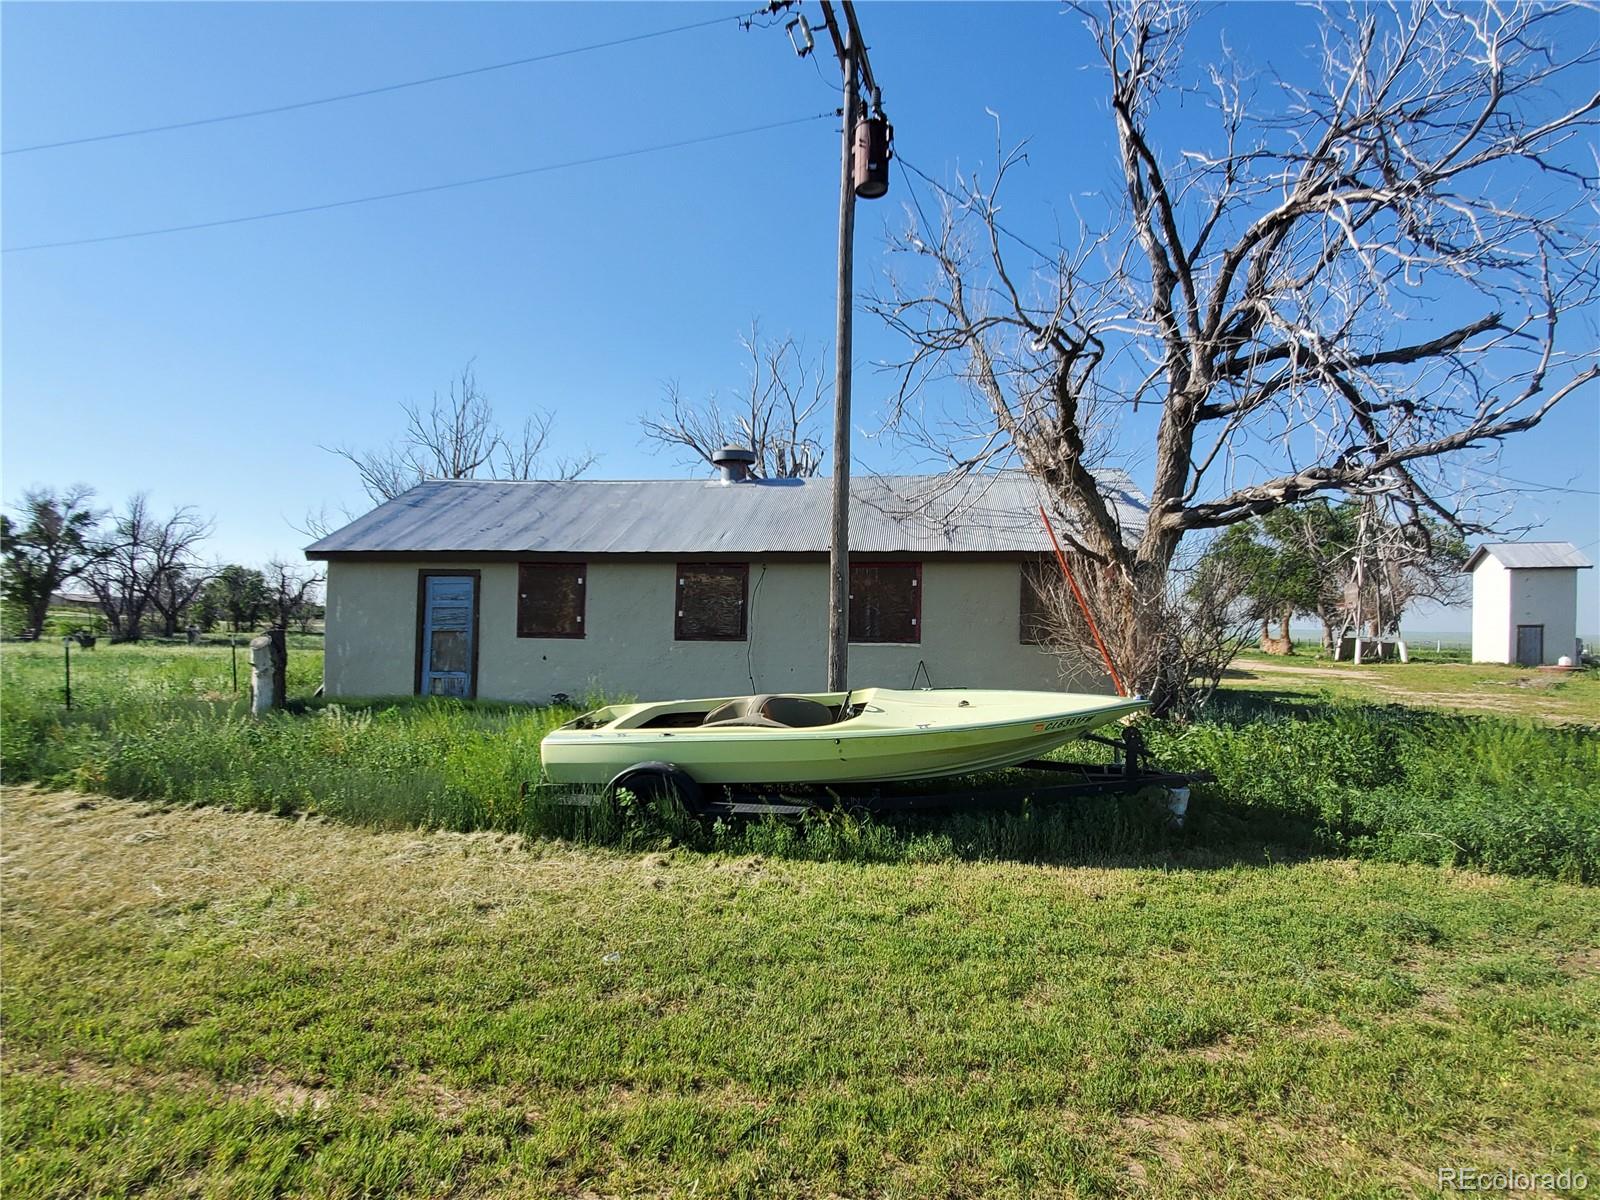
point(1525, 602)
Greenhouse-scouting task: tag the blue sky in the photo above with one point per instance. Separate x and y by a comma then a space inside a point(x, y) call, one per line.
point(208, 367)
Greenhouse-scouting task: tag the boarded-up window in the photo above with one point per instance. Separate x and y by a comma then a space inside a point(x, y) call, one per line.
point(1038, 581)
point(550, 598)
point(886, 602)
point(711, 602)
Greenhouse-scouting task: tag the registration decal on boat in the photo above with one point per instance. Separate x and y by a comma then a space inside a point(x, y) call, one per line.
point(1058, 723)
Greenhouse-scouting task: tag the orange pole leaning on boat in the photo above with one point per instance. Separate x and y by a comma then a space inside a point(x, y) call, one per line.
point(1082, 603)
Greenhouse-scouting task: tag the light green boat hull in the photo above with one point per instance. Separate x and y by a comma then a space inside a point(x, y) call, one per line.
point(898, 735)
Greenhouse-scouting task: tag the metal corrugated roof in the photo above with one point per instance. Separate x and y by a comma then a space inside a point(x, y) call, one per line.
point(1524, 556)
point(890, 514)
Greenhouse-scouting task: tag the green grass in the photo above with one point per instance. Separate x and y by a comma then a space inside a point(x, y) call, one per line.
point(1294, 777)
point(199, 1002)
point(1461, 686)
point(456, 989)
point(1396, 783)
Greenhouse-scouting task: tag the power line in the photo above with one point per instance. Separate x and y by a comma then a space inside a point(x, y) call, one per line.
point(1528, 483)
point(378, 91)
point(419, 191)
point(960, 199)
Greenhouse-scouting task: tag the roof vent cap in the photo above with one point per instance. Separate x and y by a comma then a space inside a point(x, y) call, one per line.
point(734, 462)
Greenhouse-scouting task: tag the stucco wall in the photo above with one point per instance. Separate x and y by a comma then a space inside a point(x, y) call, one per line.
point(1491, 612)
point(969, 635)
point(1550, 598)
point(1503, 599)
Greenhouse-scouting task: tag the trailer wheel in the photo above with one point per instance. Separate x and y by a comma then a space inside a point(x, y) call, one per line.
point(652, 781)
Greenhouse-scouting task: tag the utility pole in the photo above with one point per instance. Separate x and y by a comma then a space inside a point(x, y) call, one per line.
point(864, 166)
point(839, 544)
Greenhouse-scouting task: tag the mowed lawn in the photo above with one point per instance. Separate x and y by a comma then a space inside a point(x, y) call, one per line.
point(206, 1002)
point(1545, 696)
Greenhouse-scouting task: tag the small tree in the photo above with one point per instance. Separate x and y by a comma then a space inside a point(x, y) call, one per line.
point(205, 611)
point(52, 540)
point(1207, 617)
point(775, 414)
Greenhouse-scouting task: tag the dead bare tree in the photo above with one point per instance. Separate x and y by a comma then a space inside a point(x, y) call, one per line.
point(144, 561)
point(290, 593)
point(1354, 279)
point(776, 413)
point(174, 588)
point(457, 437)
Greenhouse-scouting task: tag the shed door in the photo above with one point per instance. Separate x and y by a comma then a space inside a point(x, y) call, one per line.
point(449, 628)
point(1530, 645)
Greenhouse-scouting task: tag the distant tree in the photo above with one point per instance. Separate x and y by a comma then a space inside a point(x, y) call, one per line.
point(205, 612)
point(174, 590)
point(1347, 564)
point(1272, 577)
point(1321, 537)
point(775, 413)
point(308, 614)
point(140, 554)
point(238, 594)
point(290, 592)
point(456, 437)
point(51, 541)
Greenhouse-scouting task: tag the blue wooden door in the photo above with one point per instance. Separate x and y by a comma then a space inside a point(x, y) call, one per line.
point(449, 627)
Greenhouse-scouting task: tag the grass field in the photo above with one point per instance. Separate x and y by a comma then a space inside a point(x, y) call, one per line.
point(203, 1002)
point(337, 952)
point(1456, 686)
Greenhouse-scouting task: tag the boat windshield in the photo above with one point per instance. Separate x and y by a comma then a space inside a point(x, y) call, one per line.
point(592, 720)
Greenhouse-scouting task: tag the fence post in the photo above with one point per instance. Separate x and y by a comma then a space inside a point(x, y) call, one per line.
point(278, 638)
point(233, 647)
point(66, 660)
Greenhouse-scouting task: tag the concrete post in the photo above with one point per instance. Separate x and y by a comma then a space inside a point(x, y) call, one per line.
point(260, 675)
point(269, 662)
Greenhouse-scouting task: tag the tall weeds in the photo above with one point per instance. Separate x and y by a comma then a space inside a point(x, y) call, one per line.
point(1381, 782)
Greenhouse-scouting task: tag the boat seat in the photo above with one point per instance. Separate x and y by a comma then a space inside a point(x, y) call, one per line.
point(771, 711)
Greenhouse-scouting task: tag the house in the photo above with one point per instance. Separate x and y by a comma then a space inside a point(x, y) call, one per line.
point(1525, 602)
point(675, 588)
point(75, 601)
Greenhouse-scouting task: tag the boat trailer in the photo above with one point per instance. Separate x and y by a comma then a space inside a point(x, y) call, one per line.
point(1129, 771)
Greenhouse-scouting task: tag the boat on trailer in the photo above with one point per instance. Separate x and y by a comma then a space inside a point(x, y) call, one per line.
point(867, 735)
